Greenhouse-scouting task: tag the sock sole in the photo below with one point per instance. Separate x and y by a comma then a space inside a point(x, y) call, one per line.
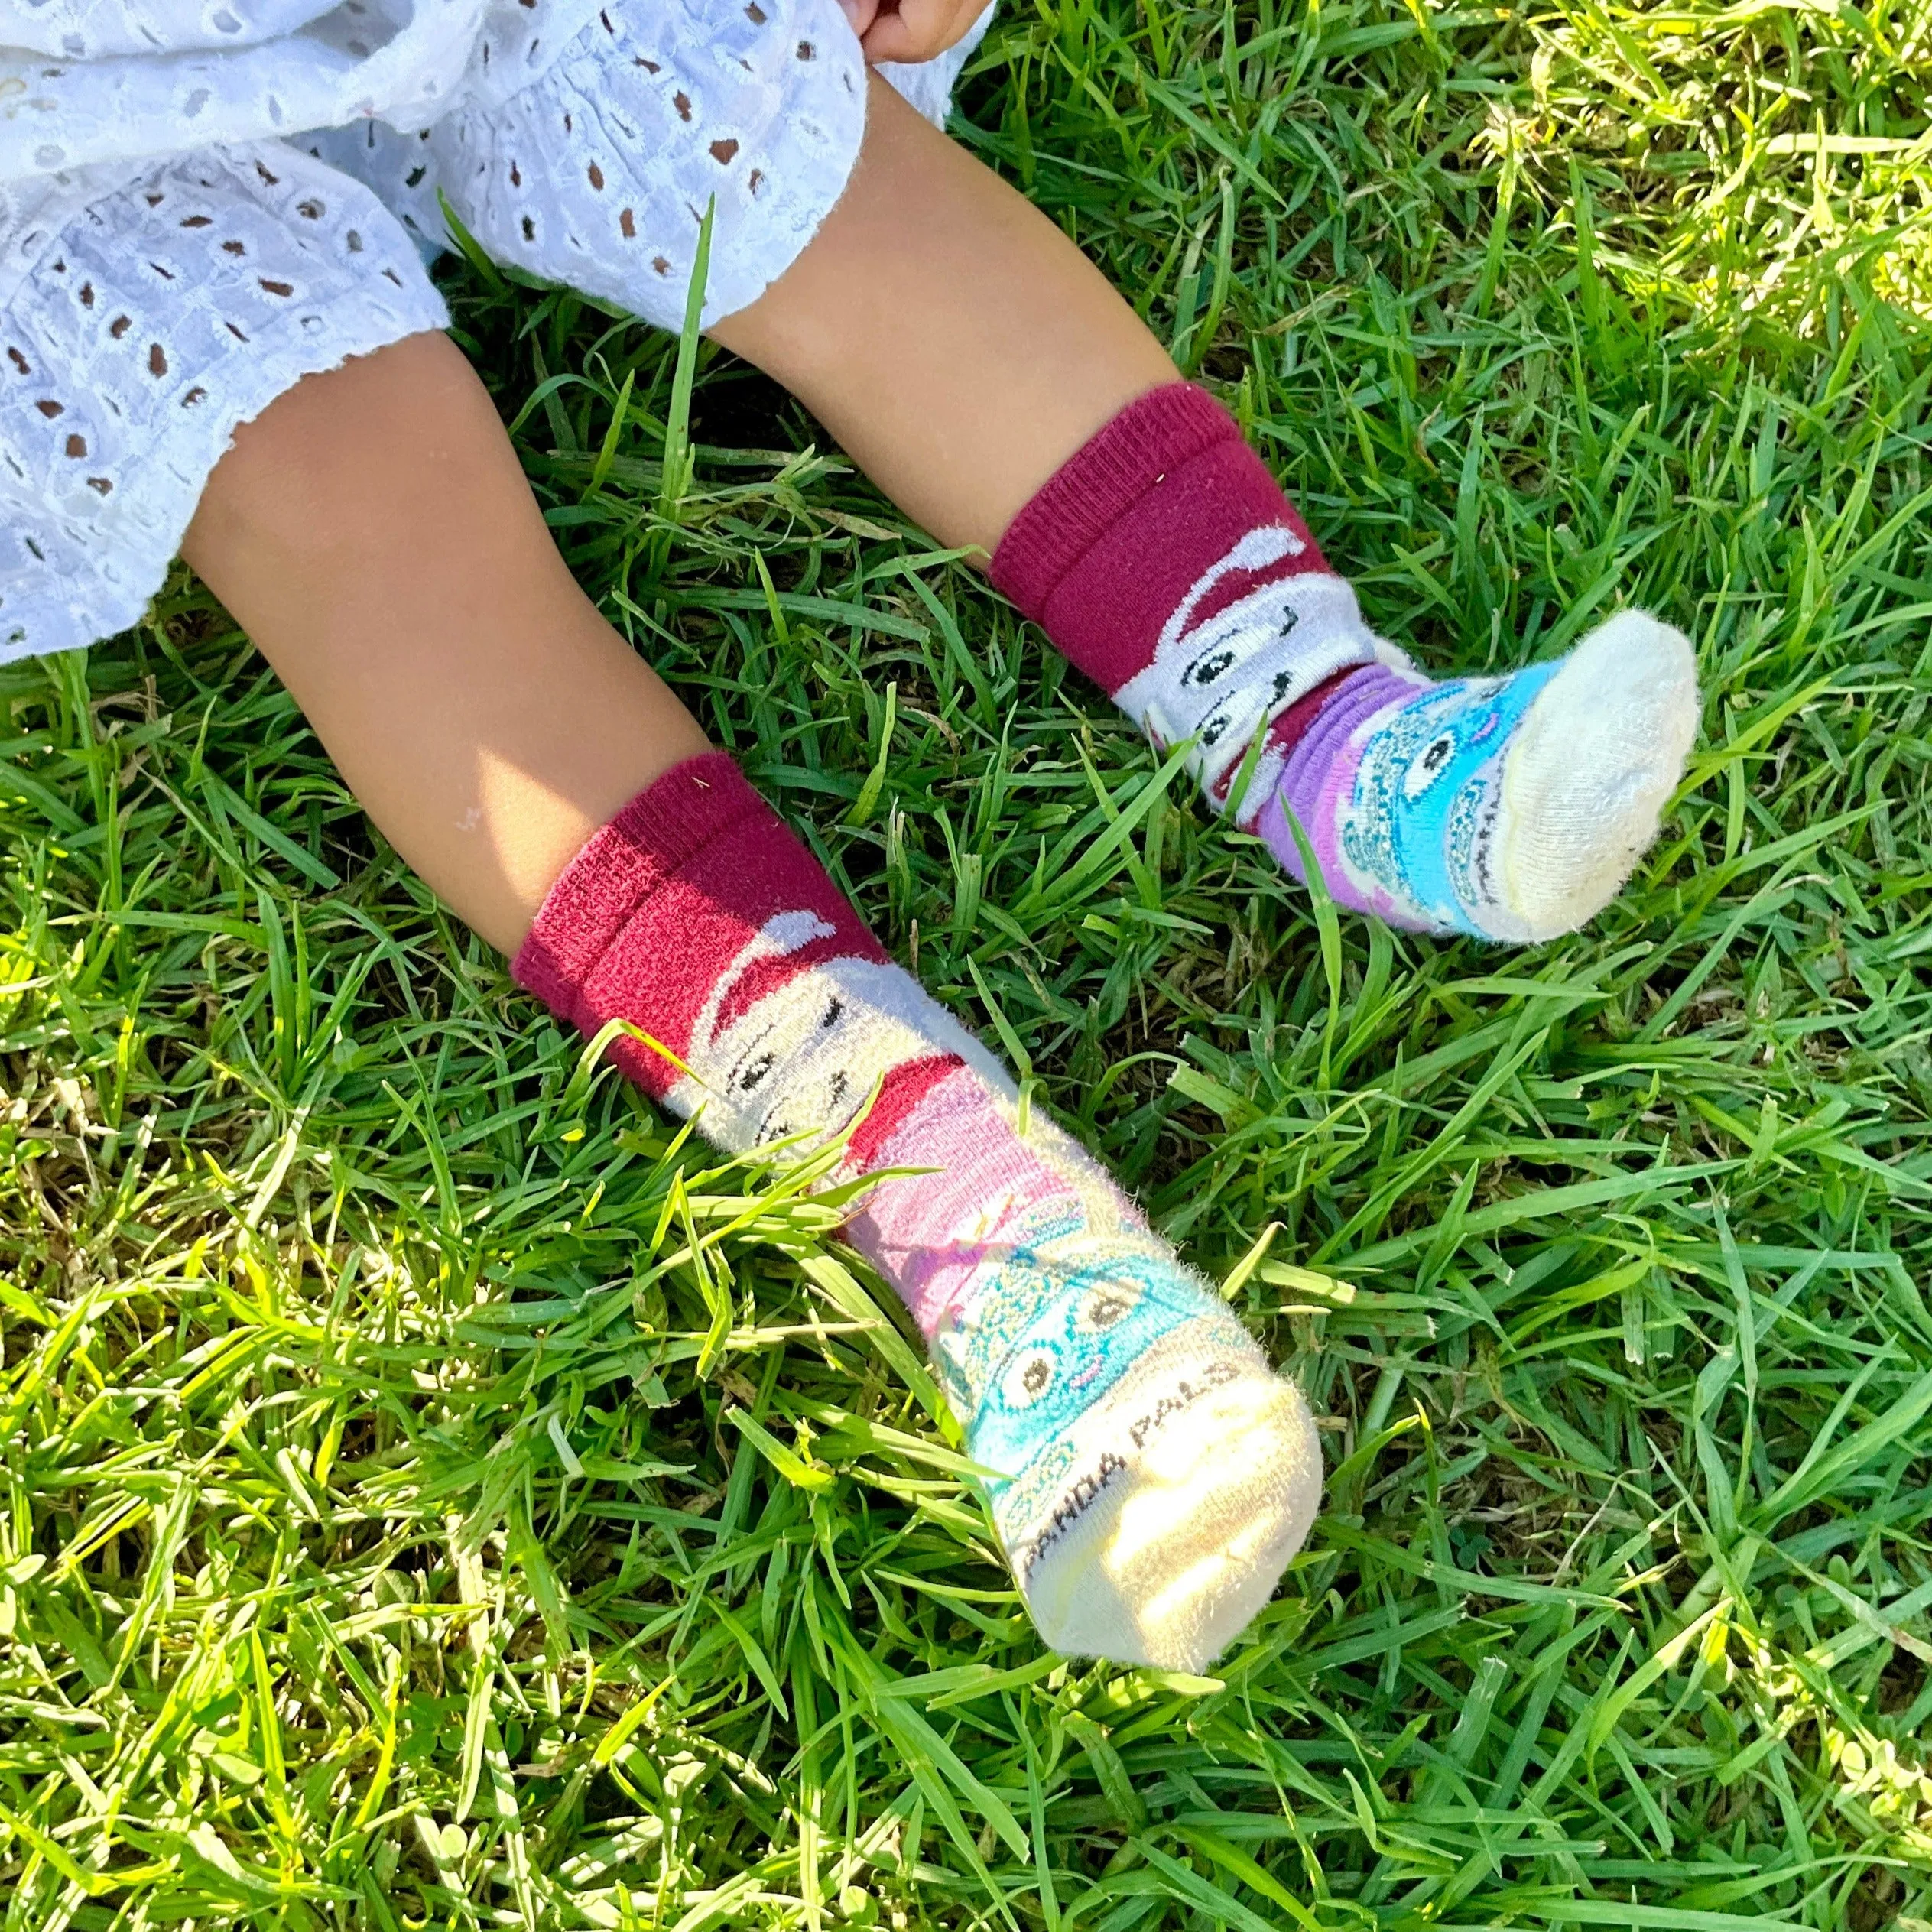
point(1596, 760)
point(1187, 1540)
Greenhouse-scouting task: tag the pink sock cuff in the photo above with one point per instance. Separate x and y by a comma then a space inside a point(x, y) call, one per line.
point(667, 900)
point(1096, 485)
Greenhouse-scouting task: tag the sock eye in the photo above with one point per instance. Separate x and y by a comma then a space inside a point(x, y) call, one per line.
point(753, 1071)
point(1029, 1379)
point(1429, 765)
point(1208, 669)
point(1105, 1308)
point(833, 1013)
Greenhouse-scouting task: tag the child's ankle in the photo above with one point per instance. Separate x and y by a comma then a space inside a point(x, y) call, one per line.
point(1163, 560)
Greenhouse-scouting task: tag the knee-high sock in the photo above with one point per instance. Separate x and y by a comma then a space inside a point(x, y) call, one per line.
point(1151, 1476)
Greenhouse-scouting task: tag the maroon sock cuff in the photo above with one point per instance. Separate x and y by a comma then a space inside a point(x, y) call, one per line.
point(667, 900)
point(1114, 540)
point(1103, 479)
point(621, 869)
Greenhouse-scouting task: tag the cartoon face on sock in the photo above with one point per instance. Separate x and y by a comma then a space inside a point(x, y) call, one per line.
point(804, 1057)
point(1427, 791)
point(1094, 1323)
point(1218, 678)
point(984, 1199)
point(1009, 1284)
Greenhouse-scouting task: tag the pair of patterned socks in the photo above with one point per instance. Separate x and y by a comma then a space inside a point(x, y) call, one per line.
point(1149, 1477)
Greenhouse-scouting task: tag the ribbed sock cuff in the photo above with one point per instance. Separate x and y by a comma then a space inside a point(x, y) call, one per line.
point(695, 901)
point(1099, 484)
point(621, 868)
point(1143, 527)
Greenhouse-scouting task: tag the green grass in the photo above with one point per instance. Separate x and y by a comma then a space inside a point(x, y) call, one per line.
point(436, 1495)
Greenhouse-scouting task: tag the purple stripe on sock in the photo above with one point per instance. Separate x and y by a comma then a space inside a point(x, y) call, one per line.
point(1319, 774)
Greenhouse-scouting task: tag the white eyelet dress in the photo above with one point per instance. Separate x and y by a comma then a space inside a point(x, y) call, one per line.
point(202, 201)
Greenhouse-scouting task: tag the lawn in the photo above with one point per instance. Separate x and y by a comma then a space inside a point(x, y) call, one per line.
point(439, 1495)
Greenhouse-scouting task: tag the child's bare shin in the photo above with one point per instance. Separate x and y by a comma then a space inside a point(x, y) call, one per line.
point(373, 533)
point(955, 342)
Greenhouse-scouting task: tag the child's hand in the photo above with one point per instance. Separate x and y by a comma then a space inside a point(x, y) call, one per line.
point(910, 29)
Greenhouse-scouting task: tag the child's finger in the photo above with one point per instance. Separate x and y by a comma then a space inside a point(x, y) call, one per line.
point(862, 14)
point(916, 30)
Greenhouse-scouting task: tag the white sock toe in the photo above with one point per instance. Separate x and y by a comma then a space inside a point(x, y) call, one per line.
point(1594, 762)
point(1191, 1530)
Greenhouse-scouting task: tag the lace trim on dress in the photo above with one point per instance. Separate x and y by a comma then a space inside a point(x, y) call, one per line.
point(156, 321)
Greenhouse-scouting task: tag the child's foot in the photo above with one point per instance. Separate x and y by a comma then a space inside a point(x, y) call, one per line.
point(1164, 561)
point(1512, 808)
point(1152, 1476)
point(1158, 1474)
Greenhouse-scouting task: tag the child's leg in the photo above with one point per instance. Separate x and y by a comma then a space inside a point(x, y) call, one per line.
point(373, 531)
point(985, 374)
point(955, 341)
point(983, 371)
